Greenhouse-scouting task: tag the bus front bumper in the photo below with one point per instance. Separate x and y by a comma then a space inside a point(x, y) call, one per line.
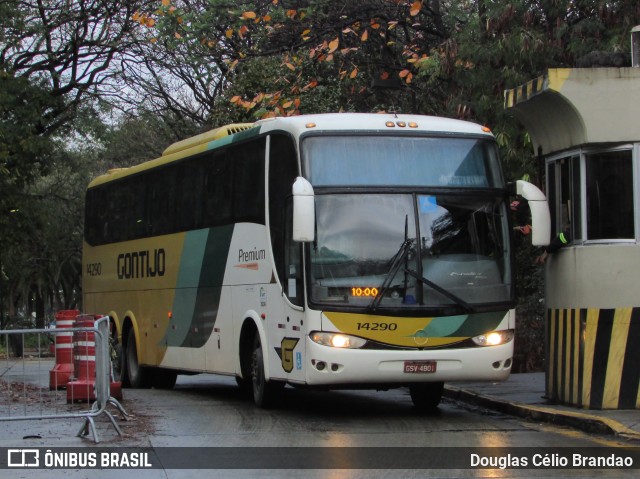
point(343, 367)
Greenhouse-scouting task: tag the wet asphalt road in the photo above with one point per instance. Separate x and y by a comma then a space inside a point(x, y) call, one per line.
point(210, 411)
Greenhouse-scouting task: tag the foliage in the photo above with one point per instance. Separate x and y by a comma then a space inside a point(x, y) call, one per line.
point(134, 139)
point(505, 44)
point(23, 148)
point(437, 57)
point(42, 240)
point(67, 47)
point(345, 45)
point(54, 55)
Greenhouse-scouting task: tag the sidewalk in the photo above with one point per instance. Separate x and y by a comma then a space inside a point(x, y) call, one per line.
point(523, 395)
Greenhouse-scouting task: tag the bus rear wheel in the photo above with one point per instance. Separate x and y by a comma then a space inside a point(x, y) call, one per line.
point(117, 364)
point(426, 396)
point(265, 392)
point(164, 378)
point(138, 376)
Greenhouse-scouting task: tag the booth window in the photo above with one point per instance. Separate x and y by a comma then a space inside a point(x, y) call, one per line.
point(605, 178)
point(609, 179)
point(564, 195)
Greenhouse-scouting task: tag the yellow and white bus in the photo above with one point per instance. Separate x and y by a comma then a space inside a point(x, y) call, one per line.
point(334, 250)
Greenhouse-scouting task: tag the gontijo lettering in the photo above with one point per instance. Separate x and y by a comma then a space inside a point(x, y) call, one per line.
point(141, 264)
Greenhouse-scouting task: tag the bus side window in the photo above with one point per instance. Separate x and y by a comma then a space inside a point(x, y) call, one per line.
point(217, 178)
point(248, 181)
point(96, 224)
point(283, 170)
point(162, 203)
point(188, 190)
point(125, 210)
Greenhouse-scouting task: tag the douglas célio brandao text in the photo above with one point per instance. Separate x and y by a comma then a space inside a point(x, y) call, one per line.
point(551, 460)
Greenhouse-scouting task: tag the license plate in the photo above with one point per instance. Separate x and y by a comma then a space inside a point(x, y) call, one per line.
point(420, 366)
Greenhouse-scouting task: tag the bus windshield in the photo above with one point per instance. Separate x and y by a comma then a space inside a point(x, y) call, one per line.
point(401, 161)
point(371, 253)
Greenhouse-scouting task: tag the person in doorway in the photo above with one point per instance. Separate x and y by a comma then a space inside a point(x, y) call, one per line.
point(520, 211)
point(558, 242)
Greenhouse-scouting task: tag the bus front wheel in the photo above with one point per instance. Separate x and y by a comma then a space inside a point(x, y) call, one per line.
point(426, 396)
point(265, 392)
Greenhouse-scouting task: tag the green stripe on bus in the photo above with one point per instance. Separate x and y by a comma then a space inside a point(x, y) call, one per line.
point(199, 286)
point(214, 264)
point(466, 325)
point(184, 301)
point(235, 138)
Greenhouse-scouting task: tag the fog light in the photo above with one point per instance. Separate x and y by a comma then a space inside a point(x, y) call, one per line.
point(494, 338)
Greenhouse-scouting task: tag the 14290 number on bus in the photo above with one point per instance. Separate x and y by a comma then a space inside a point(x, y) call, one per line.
point(377, 326)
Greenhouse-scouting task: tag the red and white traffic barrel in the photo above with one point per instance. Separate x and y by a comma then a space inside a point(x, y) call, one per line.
point(63, 370)
point(81, 386)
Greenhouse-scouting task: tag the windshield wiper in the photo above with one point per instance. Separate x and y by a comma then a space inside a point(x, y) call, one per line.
point(396, 263)
point(456, 299)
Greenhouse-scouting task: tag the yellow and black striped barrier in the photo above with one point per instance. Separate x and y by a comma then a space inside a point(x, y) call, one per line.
point(593, 357)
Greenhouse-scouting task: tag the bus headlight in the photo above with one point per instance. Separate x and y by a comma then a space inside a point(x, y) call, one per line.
point(494, 338)
point(337, 340)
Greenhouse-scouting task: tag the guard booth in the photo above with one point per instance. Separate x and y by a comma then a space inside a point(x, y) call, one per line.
point(585, 127)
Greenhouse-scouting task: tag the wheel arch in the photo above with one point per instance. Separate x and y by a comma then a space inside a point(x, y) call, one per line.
point(129, 325)
point(251, 326)
point(115, 326)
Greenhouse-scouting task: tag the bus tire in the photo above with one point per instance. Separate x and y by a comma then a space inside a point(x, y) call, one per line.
point(115, 355)
point(245, 385)
point(117, 363)
point(164, 378)
point(137, 375)
point(426, 396)
point(265, 392)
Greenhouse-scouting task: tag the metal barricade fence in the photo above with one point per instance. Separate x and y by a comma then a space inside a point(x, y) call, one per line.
point(25, 365)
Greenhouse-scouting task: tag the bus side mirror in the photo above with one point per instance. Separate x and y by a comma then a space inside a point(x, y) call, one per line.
point(304, 211)
point(540, 217)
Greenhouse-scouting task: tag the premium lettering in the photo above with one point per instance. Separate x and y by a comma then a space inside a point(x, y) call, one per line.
point(255, 255)
point(141, 264)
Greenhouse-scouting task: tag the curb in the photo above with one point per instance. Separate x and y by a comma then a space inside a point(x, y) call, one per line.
point(584, 422)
